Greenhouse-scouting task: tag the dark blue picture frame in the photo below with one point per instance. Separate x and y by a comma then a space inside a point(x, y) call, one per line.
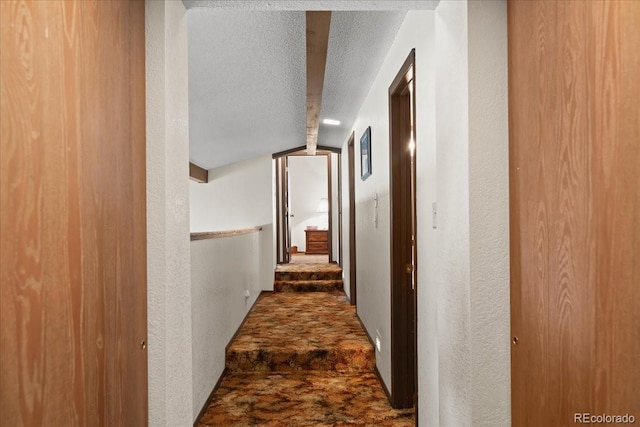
point(365, 154)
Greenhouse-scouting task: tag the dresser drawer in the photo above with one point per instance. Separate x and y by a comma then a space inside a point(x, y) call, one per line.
point(317, 242)
point(317, 247)
point(317, 236)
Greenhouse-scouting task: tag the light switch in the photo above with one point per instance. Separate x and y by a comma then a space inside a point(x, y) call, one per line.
point(375, 210)
point(434, 215)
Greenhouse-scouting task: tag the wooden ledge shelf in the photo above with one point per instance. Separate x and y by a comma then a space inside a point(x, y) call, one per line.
point(198, 174)
point(219, 234)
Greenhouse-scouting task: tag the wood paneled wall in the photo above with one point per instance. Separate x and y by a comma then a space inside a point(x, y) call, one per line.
point(574, 106)
point(73, 213)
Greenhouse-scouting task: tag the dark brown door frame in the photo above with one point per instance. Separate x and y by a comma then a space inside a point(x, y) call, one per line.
point(283, 238)
point(403, 238)
point(285, 209)
point(332, 255)
point(330, 213)
point(352, 220)
point(340, 258)
point(278, 212)
point(302, 151)
point(282, 223)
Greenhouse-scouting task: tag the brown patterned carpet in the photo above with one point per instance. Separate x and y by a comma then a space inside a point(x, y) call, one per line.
point(301, 331)
point(306, 274)
point(309, 269)
point(302, 399)
point(302, 359)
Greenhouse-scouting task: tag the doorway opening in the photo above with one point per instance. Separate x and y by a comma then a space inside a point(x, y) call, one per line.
point(308, 206)
point(402, 129)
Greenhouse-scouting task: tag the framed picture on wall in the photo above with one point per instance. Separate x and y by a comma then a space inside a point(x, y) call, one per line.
point(365, 154)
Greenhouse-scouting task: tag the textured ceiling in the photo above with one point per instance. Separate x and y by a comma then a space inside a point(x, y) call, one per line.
point(247, 73)
point(358, 44)
point(247, 84)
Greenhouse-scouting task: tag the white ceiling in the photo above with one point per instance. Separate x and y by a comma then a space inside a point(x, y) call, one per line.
point(314, 4)
point(247, 74)
point(358, 44)
point(247, 84)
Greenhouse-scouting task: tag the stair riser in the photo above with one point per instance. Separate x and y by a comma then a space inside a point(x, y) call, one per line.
point(282, 276)
point(319, 360)
point(318, 286)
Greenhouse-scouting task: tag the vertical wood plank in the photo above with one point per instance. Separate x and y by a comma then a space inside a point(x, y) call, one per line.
point(571, 223)
point(575, 203)
point(73, 219)
point(135, 294)
point(616, 121)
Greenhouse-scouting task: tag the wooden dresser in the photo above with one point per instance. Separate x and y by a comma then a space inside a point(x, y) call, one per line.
point(316, 242)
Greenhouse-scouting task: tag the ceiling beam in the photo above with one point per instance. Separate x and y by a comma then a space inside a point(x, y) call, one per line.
point(318, 24)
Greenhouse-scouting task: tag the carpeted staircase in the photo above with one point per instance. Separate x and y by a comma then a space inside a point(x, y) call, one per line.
point(310, 280)
point(306, 324)
point(302, 359)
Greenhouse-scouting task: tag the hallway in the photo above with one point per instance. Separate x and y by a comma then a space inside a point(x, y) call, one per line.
point(302, 359)
point(478, 162)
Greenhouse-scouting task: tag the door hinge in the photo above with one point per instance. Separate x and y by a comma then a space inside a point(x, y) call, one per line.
point(412, 280)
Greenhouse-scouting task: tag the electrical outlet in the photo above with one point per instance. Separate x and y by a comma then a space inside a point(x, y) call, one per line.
point(247, 294)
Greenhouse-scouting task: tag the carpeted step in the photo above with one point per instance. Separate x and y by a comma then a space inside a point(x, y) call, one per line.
point(303, 399)
point(302, 358)
point(287, 331)
point(339, 359)
point(308, 285)
point(333, 274)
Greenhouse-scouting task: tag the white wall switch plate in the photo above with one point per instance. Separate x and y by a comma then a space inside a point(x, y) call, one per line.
point(434, 215)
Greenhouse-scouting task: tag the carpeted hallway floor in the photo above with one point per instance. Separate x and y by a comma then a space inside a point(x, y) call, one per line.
point(302, 359)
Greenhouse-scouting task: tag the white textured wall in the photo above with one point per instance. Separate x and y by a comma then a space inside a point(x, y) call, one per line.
point(168, 283)
point(428, 393)
point(452, 126)
point(489, 214)
point(236, 196)
point(373, 242)
point(221, 271)
point(463, 265)
point(308, 182)
point(472, 158)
